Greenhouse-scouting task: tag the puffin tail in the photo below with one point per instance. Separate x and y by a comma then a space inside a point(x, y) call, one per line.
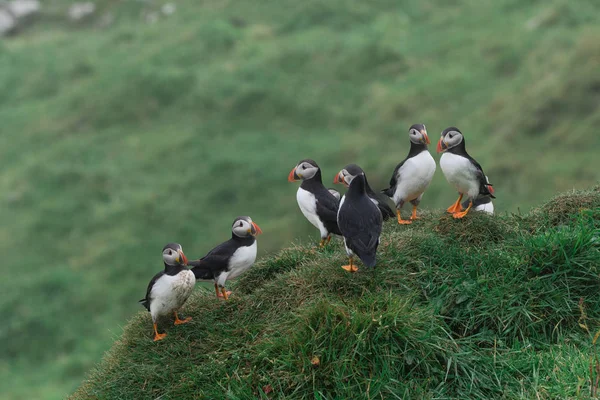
point(369, 259)
point(386, 211)
point(388, 192)
point(144, 302)
point(201, 272)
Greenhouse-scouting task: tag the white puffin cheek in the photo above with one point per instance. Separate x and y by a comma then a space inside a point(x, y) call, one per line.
point(310, 172)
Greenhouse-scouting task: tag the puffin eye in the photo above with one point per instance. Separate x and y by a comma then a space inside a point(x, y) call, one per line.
point(304, 167)
point(241, 223)
point(170, 252)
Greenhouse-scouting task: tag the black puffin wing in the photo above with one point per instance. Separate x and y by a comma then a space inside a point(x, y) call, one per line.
point(352, 223)
point(146, 300)
point(394, 180)
point(485, 188)
point(384, 208)
point(327, 208)
point(216, 261)
point(380, 201)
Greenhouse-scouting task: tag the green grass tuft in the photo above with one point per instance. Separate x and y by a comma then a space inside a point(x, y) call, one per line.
point(484, 307)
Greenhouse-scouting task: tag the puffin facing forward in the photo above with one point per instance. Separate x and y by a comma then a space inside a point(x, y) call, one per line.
point(462, 171)
point(231, 258)
point(361, 222)
point(316, 202)
point(169, 289)
point(412, 176)
point(351, 171)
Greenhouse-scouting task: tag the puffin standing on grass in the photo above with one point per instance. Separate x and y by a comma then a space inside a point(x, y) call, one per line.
point(231, 258)
point(348, 173)
point(169, 289)
point(361, 222)
point(413, 175)
point(316, 202)
point(462, 171)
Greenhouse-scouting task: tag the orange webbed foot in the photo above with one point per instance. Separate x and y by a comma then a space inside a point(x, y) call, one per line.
point(225, 293)
point(159, 336)
point(456, 207)
point(460, 214)
point(182, 321)
point(463, 213)
point(402, 221)
point(414, 214)
point(350, 268)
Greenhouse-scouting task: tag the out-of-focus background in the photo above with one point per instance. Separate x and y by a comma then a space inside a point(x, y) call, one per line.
point(129, 124)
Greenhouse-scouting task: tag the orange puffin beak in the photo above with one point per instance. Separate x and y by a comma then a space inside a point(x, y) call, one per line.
point(256, 229)
point(427, 141)
point(339, 178)
point(293, 177)
point(441, 146)
point(182, 258)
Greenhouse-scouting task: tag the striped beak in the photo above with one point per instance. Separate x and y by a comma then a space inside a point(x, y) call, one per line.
point(425, 137)
point(255, 230)
point(339, 178)
point(293, 176)
point(182, 259)
point(441, 146)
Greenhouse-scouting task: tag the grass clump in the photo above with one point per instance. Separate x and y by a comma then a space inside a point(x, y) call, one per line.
point(499, 311)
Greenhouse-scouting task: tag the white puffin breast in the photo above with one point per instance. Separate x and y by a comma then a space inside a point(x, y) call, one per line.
point(242, 259)
point(170, 292)
point(460, 173)
point(414, 176)
point(308, 205)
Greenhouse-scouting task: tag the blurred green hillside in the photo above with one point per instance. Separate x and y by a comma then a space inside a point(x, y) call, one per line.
point(118, 139)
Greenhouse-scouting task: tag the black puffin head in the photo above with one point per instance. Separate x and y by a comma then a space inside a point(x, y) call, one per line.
point(347, 174)
point(451, 137)
point(173, 255)
point(304, 170)
point(417, 134)
point(244, 226)
point(358, 186)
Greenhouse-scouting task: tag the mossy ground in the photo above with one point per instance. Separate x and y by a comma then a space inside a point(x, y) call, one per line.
point(484, 307)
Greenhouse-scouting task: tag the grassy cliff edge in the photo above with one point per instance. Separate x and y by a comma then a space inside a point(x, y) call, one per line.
point(502, 306)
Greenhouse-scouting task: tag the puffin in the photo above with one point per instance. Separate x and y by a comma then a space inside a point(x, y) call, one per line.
point(348, 173)
point(360, 222)
point(481, 203)
point(169, 289)
point(462, 171)
point(316, 202)
point(231, 258)
point(335, 193)
point(413, 175)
